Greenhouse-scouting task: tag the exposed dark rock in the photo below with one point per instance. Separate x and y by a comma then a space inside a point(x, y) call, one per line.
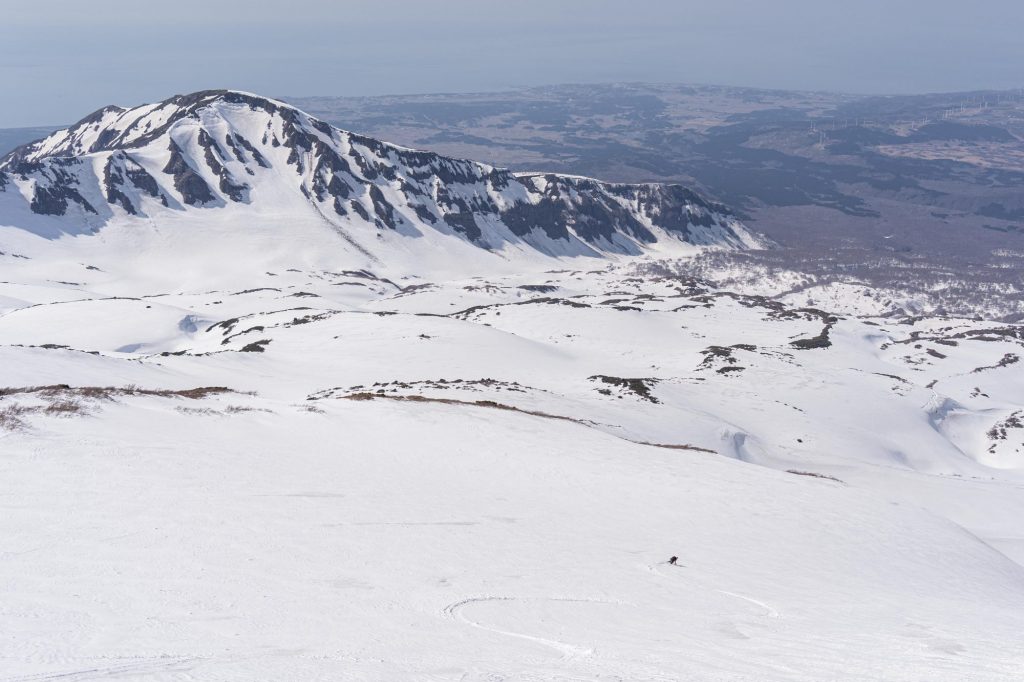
point(339, 188)
point(1001, 429)
point(360, 210)
point(464, 223)
point(54, 200)
point(112, 181)
point(385, 212)
point(820, 341)
point(548, 215)
point(255, 153)
point(640, 387)
point(214, 159)
point(1007, 360)
point(424, 214)
point(194, 190)
point(233, 146)
point(255, 346)
point(142, 180)
point(366, 168)
point(724, 354)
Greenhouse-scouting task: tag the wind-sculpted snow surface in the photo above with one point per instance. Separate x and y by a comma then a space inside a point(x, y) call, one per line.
point(241, 155)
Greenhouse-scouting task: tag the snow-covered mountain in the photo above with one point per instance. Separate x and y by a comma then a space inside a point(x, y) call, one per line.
point(278, 402)
point(223, 155)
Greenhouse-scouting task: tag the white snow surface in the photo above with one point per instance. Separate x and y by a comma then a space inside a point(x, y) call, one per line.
point(447, 463)
point(313, 525)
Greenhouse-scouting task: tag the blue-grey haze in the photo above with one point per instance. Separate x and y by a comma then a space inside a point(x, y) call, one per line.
point(61, 59)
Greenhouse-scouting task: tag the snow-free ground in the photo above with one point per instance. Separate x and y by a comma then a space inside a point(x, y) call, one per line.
point(410, 478)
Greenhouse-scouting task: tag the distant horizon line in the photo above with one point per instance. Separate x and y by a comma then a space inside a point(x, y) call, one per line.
point(567, 84)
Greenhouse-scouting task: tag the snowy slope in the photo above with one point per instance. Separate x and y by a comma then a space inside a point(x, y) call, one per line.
point(482, 479)
point(252, 440)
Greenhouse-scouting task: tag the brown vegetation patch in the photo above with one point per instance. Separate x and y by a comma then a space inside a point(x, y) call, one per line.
point(814, 475)
point(110, 392)
point(490, 404)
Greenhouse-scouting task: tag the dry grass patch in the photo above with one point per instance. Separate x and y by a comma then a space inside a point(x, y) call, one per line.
point(239, 409)
point(111, 392)
point(814, 475)
point(63, 400)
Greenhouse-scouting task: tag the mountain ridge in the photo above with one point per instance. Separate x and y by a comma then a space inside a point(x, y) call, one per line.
point(225, 148)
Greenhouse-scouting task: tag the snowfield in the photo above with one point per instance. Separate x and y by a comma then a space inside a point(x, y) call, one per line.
point(456, 480)
point(234, 446)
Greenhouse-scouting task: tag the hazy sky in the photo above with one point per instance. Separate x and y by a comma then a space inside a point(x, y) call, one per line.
point(61, 59)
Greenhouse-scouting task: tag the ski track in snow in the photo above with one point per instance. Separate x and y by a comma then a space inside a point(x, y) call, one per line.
point(568, 651)
point(148, 667)
point(768, 610)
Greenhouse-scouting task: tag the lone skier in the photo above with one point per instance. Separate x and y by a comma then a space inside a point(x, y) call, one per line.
point(673, 560)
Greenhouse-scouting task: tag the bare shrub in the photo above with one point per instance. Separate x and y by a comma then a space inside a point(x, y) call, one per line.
point(11, 417)
point(65, 401)
point(65, 407)
point(94, 392)
point(192, 393)
point(204, 411)
point(238, 409)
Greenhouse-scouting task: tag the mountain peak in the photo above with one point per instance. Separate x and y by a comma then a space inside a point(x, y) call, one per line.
point(114, 127)
point(239, 152)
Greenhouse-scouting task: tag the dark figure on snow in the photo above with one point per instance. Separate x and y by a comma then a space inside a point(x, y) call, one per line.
point(673, 560)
